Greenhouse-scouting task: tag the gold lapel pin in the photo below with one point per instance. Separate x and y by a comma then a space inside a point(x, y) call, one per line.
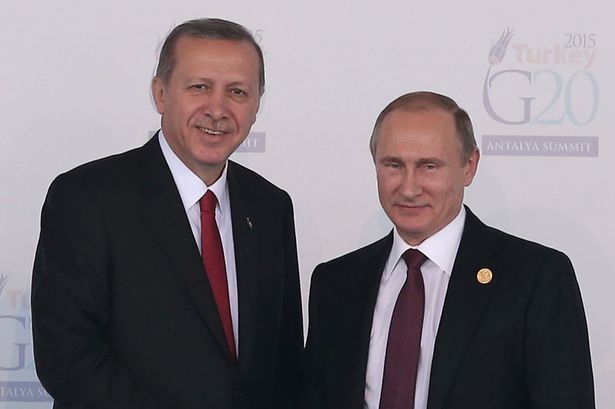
point(484, 276)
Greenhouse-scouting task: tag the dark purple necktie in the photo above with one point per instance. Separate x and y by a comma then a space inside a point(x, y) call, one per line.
point(213, 261)
point(404, 343)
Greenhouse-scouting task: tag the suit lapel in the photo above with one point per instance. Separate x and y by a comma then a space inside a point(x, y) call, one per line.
point(465, 300)
point(165, 217)
point(247, 221)
point(366, 284)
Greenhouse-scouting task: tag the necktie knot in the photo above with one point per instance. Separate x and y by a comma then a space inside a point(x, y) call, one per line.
point(414, 259)
point(208, 202)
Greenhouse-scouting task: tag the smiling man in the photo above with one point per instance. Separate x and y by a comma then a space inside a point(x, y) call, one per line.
point(166, 276)
point(444, 312)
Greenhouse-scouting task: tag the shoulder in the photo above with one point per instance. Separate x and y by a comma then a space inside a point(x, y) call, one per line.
point(524, 259)
point(106, 167)
point(251, 183)
point(527, 250)
point(112, 175)
point(363, 254)
point(364, 258)
point(480, 234)
point(116, 168)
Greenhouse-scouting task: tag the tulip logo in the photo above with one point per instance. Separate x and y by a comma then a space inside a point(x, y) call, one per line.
point(498, 51)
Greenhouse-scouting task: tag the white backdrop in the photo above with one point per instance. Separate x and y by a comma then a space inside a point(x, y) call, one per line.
point(74, 86)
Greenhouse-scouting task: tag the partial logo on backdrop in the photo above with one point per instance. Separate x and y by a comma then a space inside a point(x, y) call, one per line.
point(542, 96)
point(18, 382)
point(3, 281)
point(254, 143)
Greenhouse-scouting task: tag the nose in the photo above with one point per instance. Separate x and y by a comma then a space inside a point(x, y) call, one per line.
point(410, 186)
point(215, 106)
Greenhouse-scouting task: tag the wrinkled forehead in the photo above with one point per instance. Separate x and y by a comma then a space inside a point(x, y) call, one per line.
point(432, 126)
point(420, 107)
point(424, 116)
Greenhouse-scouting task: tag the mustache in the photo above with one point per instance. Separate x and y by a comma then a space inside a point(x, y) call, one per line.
point(216, 126)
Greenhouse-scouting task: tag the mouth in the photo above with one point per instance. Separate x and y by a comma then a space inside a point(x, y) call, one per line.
point(411, 207)
point(209, 131)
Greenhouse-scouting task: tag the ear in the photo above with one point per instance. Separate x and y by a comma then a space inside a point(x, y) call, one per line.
point(471, 167)
point(158, 92)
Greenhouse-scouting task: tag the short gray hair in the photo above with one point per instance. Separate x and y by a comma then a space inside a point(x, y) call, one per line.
point(425, 101)
point(210, 28)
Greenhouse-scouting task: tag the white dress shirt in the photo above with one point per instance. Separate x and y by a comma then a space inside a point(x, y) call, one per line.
point(191, 188)
point(440, 250)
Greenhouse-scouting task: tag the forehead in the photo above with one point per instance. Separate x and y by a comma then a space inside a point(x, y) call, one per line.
point(431, 127)
point(198, 52)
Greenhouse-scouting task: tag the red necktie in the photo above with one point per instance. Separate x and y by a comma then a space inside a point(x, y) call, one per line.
point(404, 343)
point(213, 261)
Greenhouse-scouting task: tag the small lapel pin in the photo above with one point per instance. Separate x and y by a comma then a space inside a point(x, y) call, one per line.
point(484, 276)
point(249, 222)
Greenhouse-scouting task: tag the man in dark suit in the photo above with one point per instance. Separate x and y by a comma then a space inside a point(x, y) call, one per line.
point(444, 312)
point(167, 276)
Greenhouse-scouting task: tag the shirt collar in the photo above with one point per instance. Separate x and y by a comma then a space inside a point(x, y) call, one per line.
point(440, 249)
point(191, 188)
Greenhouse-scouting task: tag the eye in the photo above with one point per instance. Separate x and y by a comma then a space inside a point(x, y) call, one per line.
point(391, 165)
point(198, 87)
point(429, 166)
point(238, 92)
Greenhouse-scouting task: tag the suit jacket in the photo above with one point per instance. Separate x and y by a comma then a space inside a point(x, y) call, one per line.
point(123, 314)
point(519, 341)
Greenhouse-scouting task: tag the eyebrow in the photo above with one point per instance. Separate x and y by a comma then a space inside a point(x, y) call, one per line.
point(239, 84)
point(423, 161)
point(206, 80)
point(418, 162)
point(390, 158)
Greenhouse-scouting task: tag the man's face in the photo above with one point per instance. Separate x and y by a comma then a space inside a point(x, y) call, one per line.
point(421, 176)
point(209, 103)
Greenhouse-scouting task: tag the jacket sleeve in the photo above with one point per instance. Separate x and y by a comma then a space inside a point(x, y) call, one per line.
point(558, 364)
point(71, 303)
point(313, 394)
